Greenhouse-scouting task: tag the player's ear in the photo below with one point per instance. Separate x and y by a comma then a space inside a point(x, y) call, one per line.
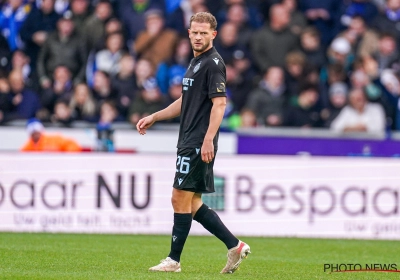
point(189, 31)
point(214, 34)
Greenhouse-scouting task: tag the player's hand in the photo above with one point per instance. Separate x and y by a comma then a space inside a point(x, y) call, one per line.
point(144, 124)
point(207, 151)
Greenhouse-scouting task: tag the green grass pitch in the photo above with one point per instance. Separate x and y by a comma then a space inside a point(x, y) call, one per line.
point(84, 256)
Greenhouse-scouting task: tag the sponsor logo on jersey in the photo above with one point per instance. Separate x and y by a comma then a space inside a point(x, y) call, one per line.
point(216, 60)
point(180, 180)
point(187, 82)
point(221, 87)
point(197, 150)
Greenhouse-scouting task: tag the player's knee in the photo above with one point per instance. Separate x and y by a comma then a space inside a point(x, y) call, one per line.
point(174, 201)
point(179, 205)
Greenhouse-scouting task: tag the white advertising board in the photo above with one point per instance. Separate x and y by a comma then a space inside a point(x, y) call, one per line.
point(258, 195)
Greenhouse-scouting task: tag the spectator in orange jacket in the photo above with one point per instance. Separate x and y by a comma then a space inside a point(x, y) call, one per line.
point(42, 142)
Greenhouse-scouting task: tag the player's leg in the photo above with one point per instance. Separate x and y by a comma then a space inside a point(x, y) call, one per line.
point(211, 222)
point(181, 202)
point(209, 219)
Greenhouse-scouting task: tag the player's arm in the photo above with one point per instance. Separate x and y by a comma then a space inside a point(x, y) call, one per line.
point(172, 111)
point(216, 116)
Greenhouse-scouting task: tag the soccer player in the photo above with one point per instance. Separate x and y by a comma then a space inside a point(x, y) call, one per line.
point(201, 108)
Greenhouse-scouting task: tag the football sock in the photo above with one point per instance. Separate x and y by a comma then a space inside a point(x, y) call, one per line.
point(211, 222)
point(180, 231)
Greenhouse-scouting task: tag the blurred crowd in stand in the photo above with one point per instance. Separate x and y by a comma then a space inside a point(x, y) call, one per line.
point(305, 63)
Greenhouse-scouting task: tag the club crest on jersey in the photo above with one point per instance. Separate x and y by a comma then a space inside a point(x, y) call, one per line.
point(197, 67)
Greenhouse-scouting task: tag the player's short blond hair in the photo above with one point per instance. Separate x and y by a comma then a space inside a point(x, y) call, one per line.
point(204, 17)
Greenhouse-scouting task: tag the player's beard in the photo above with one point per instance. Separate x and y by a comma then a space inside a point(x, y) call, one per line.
point(201, 48)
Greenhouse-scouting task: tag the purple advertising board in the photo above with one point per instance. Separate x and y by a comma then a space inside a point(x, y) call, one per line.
point(289, 145)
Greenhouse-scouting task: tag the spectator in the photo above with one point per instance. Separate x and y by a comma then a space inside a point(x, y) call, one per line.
point(155, 43)
point(247, 118)
point(337, 100)
point(364, 41)
point(387, 54)
point(36, 28)
point(360, 115)
point(132, 14)
point(5, 102)
point(148, 101)
point(298, 21)
point(310, 45)
point(304, 112)
point(240, 77)
point(82, 104)
point(237, 14)
point(94, 26)
point(63, 47)
point(179, 18)
point(363, 8)
point(61, 88)
point(12, 16)
point(102, 89)
point(108, 113)
point(390, 84)
point(60, 6)
point(39, 141)
point(271, 43)
point(80, 13)
point(144, 70)
point(373, 88)
point(268, 100)
point(179, 60)
point(335, 74)
point(107, 60)
point(62, 114)
point(311, 74)
point(340, 53)
point(251, 12)
point(124, 84)
point(20, 61)
point(370, 67)
point(112, 25)
point(227, 41)
point(389, 19)
point(25, 102)
point(360, 79)
point(324, 15)
point(5, 54)
point(294, 66)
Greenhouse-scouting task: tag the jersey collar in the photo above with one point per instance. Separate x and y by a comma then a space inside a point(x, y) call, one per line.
point(205, 54)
